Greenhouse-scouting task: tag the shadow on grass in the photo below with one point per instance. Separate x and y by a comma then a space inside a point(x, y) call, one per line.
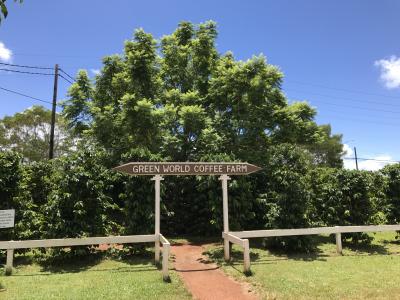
point(137, 262)
point(369, 249)
point(315, 253)
point(217, 254)
point(393, 242)
point(318, 252)
point(195, 240)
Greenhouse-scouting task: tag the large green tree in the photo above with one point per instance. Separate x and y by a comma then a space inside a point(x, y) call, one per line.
point(179, 99)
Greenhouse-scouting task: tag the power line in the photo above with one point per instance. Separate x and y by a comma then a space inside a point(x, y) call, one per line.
point(65, 78)
point(344, 113)
point(341, 89)
point(24, 66)
point(26, 72)
point(24, 95)
point(373, 159)
point(52, 55)
point(347, 99)
point(365, 121)
point(67, 74)
point(359, 107)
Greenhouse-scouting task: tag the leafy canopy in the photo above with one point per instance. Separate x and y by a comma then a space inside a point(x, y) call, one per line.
point(28, 133)
point(181, 99)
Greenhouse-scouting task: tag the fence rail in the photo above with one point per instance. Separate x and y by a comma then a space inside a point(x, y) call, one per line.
point(240, 237)
point(244, 243)
point(10, 246)
point(69, 242)
point(314, 230)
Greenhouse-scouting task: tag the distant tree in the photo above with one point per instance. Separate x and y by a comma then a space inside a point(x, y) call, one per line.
point(328, 150)
point(28, 133)
point(76, 110)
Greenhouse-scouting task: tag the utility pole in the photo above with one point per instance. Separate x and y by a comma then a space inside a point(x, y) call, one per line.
point(53, 112)
point(355, 157)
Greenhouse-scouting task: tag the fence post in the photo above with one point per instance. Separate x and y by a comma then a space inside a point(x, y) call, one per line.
point(246, 257)
point(166, 250)
point(9, 263)
point(157, 179)
point(338, 242)
point(224, 178)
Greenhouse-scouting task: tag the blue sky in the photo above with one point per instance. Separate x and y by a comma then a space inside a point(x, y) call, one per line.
point(341, 56)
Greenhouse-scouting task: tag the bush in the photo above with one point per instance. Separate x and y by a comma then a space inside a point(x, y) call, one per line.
point(287, 196)
point(392, 192)
point(11, 174)
point(345, 197)
point(35, 187)
point(77, 204)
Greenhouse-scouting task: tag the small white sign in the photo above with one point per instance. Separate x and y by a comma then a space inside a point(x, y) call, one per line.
point(7, 218)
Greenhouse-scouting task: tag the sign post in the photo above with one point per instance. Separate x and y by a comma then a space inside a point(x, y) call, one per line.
point(224, 179)
point(7, 220)
point(157, 169)
point(187, 168)
point(157, 179)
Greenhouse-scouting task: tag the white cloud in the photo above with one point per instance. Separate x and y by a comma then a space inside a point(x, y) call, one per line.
point(390, 71)
point(348, 163)
point(5, 53)
point(95, 71)
point(347, 149)
point(375, 163)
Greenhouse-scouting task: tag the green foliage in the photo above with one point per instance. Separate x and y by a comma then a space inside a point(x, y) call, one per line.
point(188, 101)
point(328, 150)
point(76, 110)
point(35, 188)
point(288, 196)
point(4, 9)
point(180, 100)
point(28, 133)
point(346, 197)
point(11, 173)
point(392, 191)
point(77, 204)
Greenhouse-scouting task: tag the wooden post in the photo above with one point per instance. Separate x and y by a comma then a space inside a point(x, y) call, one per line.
point(53, 113)
point(339, 243)
point(9, 262)
point(157, 179)
point(224, 178)
point(166, 250)
point(246, 257)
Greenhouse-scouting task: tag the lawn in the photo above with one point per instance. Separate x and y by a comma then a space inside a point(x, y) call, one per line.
point(370, 272)
point(136, 278)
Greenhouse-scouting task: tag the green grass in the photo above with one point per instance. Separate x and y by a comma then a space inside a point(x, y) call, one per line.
point(103, 279)
point(368, 272)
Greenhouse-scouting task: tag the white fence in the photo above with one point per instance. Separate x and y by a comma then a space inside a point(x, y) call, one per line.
point(241, 237)
point(10, 246)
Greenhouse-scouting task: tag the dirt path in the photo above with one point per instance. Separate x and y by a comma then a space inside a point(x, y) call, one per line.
point(204, 279)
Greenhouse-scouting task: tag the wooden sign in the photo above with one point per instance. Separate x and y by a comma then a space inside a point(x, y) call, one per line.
point(187, 168)
point(7, 218)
